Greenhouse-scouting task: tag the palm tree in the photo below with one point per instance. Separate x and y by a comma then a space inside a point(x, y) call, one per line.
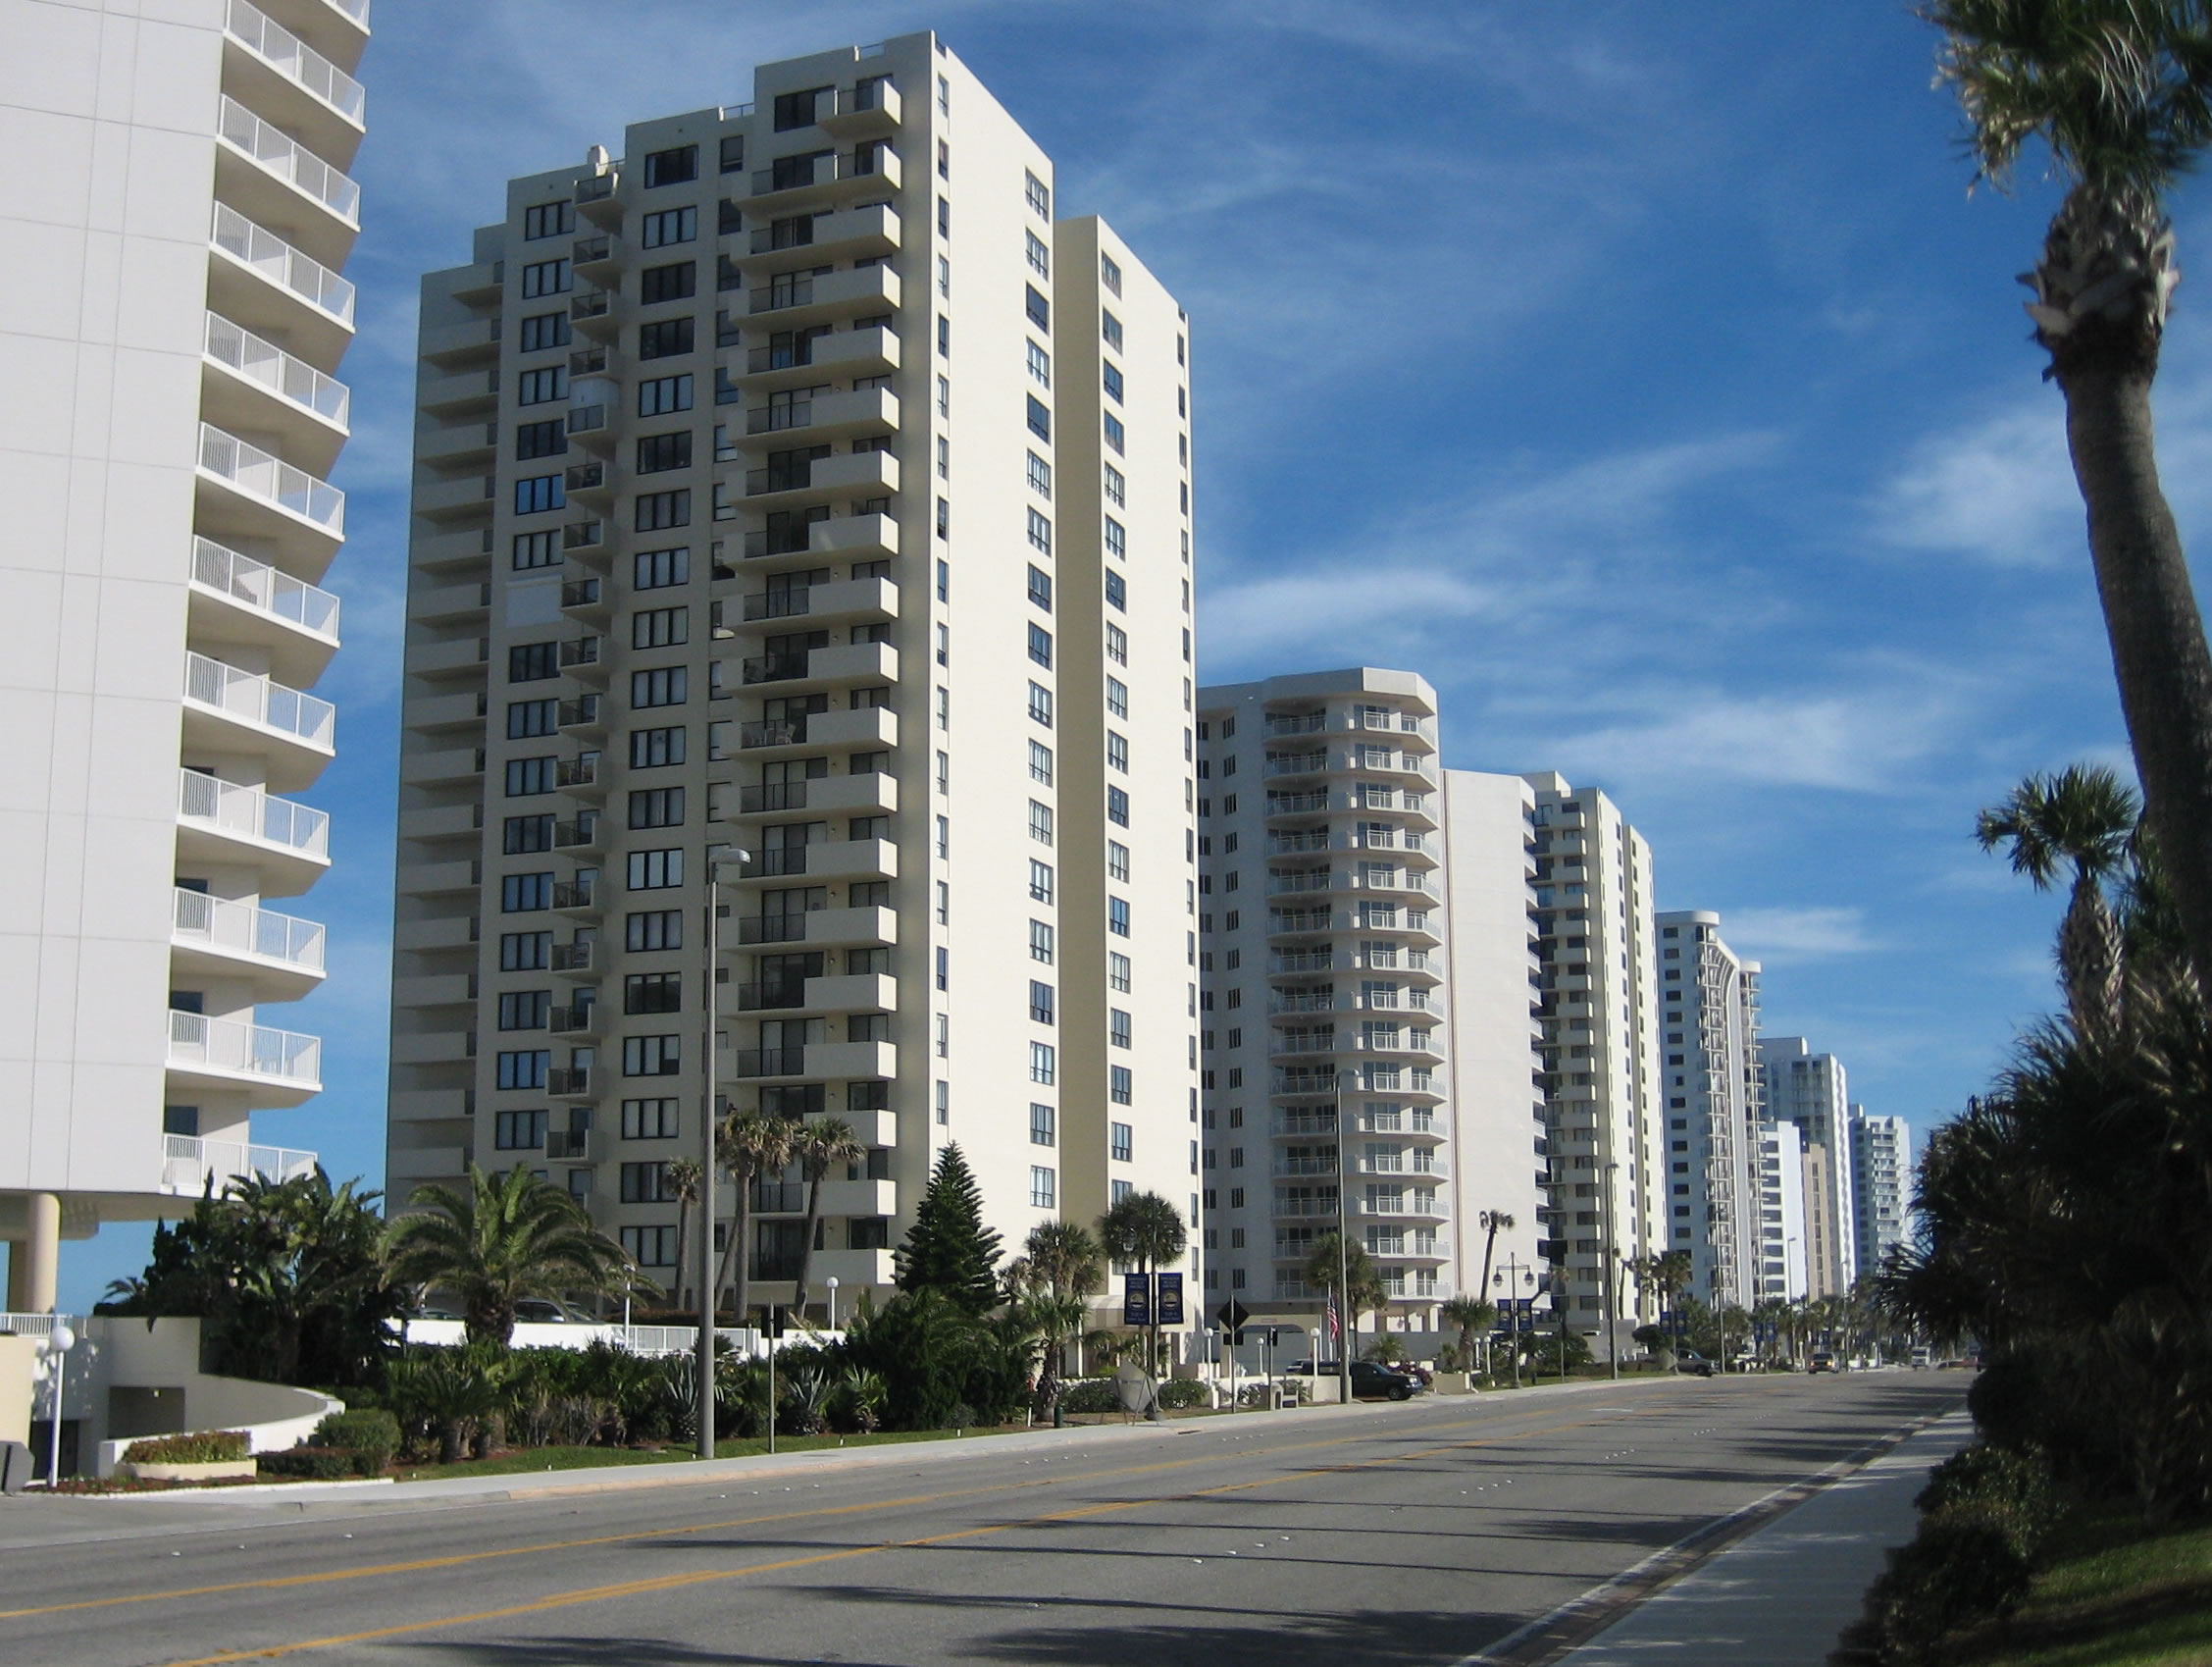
point(1492, 1223)
point(2085, 816)
point(1470, 1314)
point(1061, 1265)
point(750, 1144)
point(1359, 1290)
point(2121, 92)
point(819, 1148)
point(500, 1239)
point(1148, 1230)
point(682, 1178)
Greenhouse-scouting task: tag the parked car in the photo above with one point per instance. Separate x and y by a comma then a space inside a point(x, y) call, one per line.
point(1370, 1380)
point(543, 1311)
point(1822, 1361)
point(1693, 1363)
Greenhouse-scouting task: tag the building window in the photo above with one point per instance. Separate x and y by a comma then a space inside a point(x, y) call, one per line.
point(657, 569)
point(1117, 542)
point(544, 278)
point(656, 511)
point(524, 1009)
point(651, 1055)
point(1109, 274)
point(1037, 194)
point(1118, 592)
point(1039, 822)
point(1118, 644)
point(1040, 475)
point(1043, 1124)
point(1039, 942)
point(654, 870)
point(535, 550)
point(1117, 861)
point(650, 1119)
point(650, 1247)
point(525, 951)
point(1118, 697)
point(664, 338)
point(525, 1068)
point(1118, 805)
point(548, 220)
point(1040, 645)
point(1039, 532)
point(1112, 379)
point(659, 453)
point(1040, 366)
point(1040, 881)
point(518, 1131)
point(656, 807)
point(661, 396)
point(1041, 704)
point(1116, 436)
point(1039, 1002)
point(1041, 762)
point(676, 281)
point(527, 776)
point(1117, 1027)
point(1044, 1063)
point(1117, 916)
point(1117, 752)
point(1040, 1195)
point(672, 167)
point(663, 686)
point(1122, 1140)
point(521, 893)
point(668, 225)
point(1117, 971)
point(541, 388)
point(656, 748)
point(1039, 418)
point(535, 494)
point(653, 928)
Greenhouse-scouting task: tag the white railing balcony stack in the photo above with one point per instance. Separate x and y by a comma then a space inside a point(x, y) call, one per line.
point(295, 60)
point(244, 928)
point(238, 348)
point(281, 264)
point(269, 589)
point(236, 1046)
point(250, 813)
point(258, 699)
point(257, 474)
point(286, 158)
point(189, 1162)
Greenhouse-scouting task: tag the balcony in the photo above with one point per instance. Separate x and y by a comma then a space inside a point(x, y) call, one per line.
point(843, 664)
point(571, 1146)
point(585, 540)
point(842, 176)
point(782, 486)
point(586, 599)
point(598, 313)
point(852, 992)
point(442, 766)
point(263, 281)
point(288, 844)
point(583, 657)
point(842, 353)
point(795, 300)
point(872, 728)
point(580, 776)
point(281, 954)
point(580, 1018)
point(597, 257)
point(467, 341)
point(245, 491)
point(455, 656)
point(269, 173)
point(568, 1082)
point(281, 74)
point(846, 235)
point(822, 929)
point(776, 995)
point(457, 497)
point(875, 793)
point(459, 393)
point(582, 834)
point(580, 717)
point(234, 710)
point(192, 1166)
point(458, 446)
point(573, 959)
point(768, 1062)
point(596, 198)
point(236, 598)
point(580, 896)
point(1296, 764)
point(1304, 1209)
point(870, 110)
point(591, 485)
point(827, 415)
point(282, 1067)
point(832, 859)
point(857, 537)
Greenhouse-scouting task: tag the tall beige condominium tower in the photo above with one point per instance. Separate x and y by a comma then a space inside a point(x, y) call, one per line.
point(1709, 1012)
point(1368, 938)
point(178, 220)
point(798, 483)
point(1601, 1058)
point(1813, 1091)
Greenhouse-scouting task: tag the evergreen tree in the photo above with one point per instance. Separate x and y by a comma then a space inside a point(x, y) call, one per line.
point(949, 1249)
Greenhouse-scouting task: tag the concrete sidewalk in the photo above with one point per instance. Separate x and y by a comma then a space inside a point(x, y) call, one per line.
point(1781, 1597)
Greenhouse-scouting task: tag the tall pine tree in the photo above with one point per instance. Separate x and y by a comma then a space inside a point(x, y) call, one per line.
point(949, 1249)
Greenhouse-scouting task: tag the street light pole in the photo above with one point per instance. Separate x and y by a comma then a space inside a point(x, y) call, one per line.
point(710, 1001)
point(59, 1341)
point(831, 1282)
point(1611, 1296)
point(1342, 1260)
point(1510, 1276)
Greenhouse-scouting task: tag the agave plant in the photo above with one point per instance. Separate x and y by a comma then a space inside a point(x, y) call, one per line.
point(806, 1392)
point(861, 1397)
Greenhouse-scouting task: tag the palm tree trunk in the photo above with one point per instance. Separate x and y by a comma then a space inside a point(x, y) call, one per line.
point(683, 1236)
point(733, 1258)
point(2151, 619)
point(807, 1244)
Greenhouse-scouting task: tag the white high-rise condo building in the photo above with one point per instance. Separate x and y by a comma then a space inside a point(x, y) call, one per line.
point(796, 482)
point(1367, 942)
point(1881, 1178)
point(1606, 1201)
point(178, 220)
point(1709, 1011)
point(1781, 1211)
point(1811, 1090)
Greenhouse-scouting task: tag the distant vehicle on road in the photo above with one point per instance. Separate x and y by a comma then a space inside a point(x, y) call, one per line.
point(1822, 1361)
point(1923, 1359)
point(1371, 1380)
point(1693, 1363)
point(543, 1311)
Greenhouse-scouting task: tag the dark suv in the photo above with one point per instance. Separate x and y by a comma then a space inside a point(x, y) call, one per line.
point(1370, 1380)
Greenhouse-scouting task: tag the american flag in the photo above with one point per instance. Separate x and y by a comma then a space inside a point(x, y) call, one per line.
point(1334, 1327)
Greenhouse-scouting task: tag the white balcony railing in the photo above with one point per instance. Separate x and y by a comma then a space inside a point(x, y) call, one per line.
point(247, 812)
point(238, 348)
point(233, 1046)
point(295, 60)
point(277, 261)
point(257, 474)
point(243, 928)
point(190, 1164)
point(289, 160)
point(259, 700)
point(267, 589)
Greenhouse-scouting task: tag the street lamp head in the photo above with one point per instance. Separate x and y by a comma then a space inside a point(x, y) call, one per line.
point(831, 1281)
point(62, 1339)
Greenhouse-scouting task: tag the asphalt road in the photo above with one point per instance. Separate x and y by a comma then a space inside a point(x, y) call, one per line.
point(1383, 1534)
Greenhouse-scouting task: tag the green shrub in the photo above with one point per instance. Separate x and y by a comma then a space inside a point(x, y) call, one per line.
point(1178, 1394)
point(1960, 1569)
point(202, 1447)
point(1091, 1395)
point(2010, 1488)
point(312, 1464)
point(371, 1432)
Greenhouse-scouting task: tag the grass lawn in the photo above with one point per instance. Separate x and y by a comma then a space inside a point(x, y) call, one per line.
point(2115, 1594)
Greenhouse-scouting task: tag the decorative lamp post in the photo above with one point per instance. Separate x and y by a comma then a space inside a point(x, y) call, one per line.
point(831, 1282)
point(59, 1342)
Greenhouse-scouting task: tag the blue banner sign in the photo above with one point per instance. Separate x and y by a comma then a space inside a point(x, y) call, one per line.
point(1136, 1299)
point(1171, 1299)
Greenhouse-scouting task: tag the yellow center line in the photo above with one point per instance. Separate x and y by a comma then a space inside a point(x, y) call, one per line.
point(703, 1577)
point(460, 1559)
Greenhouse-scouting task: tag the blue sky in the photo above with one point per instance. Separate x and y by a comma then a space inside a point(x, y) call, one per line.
point(1645, 373)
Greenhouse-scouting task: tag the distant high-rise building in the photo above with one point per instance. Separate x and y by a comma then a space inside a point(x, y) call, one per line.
point(1366, 942)
point(1709, 1014)
point(1603, 1086)
point(1811, 1090)
point(800, 482)
point(1781, 1211)
point(179, 218)
point(1882, 1165)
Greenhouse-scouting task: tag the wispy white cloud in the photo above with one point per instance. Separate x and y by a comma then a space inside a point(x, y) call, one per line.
point(1809, 933)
